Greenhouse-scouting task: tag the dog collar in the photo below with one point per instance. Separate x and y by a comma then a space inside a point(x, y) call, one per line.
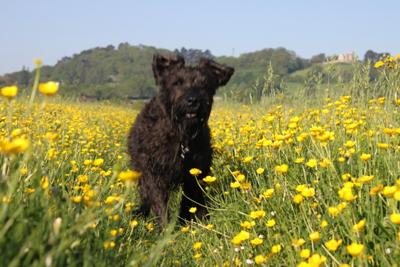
point(184, 150)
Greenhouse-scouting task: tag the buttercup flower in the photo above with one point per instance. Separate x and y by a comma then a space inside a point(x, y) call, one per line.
point(9, 91)
point(49, 88)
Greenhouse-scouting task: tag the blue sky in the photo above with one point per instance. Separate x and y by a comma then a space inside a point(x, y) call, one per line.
point(52, 29)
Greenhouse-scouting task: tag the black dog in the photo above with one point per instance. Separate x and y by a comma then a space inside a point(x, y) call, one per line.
point(171, 134)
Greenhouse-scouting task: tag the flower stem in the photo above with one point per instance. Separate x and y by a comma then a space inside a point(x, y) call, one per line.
point(35, 85)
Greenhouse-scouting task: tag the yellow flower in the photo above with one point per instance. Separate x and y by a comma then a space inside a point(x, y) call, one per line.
point(388, 191)
point(312, 163)
point(185, 229)
point(38, 62)
point(133, 224)
point(98, 162)
point(349, 144)
point(270, 223)
point(83, 178)
point(113, 232)
point(355, 249)
point(197, 245)
point(281, 169)
point(260, 259)
point(195, 171)
point(316, 260)
point(235, 184)
point(260, 170)
point(150, 227)
point(298, 242)
point(17, 145)
point(301, 187)
point(247, 224)
point(365, 157)
point(76, 199)
point(246, 186)
point(324, 224)
point(6, 199)
point(298, 198)
point(376, 189)
point(358, 227)
point(240, 178)
point(112, 199)
point(44, 182)
point(87, 162)
point(395, 218)
point(9, 91)
point(209, 179)
point(332, 245)
point(365, 178)
point(193, 210)
point(129, 176)
point(379, 64)
point(197, 256)
point(30, 190)
point(305, 253)
point(325, 163)
point(314, 236)
point(396, 195)
point(308, 192)
point(49, 88)
point(240, 237)
point(383, 145)
point(247, 159)
point(276, 249)
point(23, 171)
point(257, 214)
point(256, 241)
point(342, 205)
point(346, 193)
point(268, 193)
point(109, 244)
point(299, 160)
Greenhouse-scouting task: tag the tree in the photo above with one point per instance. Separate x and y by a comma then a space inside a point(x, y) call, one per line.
point(373, 56)
point(320, 58)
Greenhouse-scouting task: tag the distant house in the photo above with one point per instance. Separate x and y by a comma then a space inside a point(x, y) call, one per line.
point(347, 57)
point(342, 58)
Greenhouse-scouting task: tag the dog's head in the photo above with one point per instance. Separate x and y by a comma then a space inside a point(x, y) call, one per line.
point(187, 92)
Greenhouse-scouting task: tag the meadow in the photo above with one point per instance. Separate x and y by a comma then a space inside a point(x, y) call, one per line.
point(297, 180)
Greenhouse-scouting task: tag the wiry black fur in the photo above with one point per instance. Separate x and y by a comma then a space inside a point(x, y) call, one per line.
point(171, 134)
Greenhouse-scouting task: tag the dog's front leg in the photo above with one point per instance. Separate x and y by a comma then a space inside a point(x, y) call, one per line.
point(193, 196)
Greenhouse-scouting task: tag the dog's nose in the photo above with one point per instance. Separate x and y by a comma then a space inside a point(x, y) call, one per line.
point(191, 101)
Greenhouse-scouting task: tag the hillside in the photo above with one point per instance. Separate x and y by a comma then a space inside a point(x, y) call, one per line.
point(126, 70)
point(344, 70)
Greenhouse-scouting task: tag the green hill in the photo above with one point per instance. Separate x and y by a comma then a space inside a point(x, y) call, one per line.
point(343, 70)
point(126, 70)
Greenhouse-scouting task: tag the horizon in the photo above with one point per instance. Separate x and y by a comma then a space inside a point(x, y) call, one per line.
point(230, 28)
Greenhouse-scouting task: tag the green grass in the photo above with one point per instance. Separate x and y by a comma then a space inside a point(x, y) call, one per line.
point(51, 215)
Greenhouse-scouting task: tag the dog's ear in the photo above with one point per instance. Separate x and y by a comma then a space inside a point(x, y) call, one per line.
point(220, 72)
point(165, 64)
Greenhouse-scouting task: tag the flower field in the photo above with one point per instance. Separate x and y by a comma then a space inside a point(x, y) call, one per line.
point(291, 185)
